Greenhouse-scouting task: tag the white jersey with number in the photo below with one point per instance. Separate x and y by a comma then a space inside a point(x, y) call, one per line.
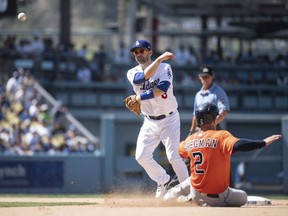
point(159, 105)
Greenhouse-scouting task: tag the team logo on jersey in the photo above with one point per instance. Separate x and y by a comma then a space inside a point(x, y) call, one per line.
point(148, 85)
point(169, 73)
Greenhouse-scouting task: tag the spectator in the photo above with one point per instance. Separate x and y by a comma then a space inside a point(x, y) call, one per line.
point(48, 146)
point(192, 56)
point(58, 112)
point(13, 85)
point(44, 114)
point(181, 55)
point(212, 57)
point(36, 45)
point(282, 80)
point(84, 73)
point(74, 140)
point(101, 59)
point(94, 65)
point(122, 56)
point(82, 52)
point(249, 58)
point(34, 109)
point(280, 61)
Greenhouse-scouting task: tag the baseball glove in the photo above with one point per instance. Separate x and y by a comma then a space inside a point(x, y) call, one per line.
point(132, 104)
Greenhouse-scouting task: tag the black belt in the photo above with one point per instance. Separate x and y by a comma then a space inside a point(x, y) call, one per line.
point(210, 195)
point(213, 195)
point(160, 116)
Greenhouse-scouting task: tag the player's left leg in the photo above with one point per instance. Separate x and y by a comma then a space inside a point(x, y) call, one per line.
point(235, 197)
point(229, 198)
point(170, 137)
point(182, 189)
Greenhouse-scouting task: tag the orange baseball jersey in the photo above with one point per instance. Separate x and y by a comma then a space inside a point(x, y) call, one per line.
point(210, 153)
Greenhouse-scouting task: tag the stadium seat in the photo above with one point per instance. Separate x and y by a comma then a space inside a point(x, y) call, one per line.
point(250, 102)
point(24, 63)
point(265, 102)
point(233, 102)
point(281, 102)
point(189, 101)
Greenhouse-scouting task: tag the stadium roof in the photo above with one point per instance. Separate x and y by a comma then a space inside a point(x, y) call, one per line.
point(224, 8)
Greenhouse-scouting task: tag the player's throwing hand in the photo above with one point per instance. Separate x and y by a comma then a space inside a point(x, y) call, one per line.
point(167, 55)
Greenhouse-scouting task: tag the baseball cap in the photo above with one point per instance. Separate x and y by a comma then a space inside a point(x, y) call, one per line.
point(141, 44)
point(206, 71)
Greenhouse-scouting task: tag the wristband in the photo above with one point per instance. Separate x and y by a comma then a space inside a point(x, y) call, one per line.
point(191, 132)
point(147, 94)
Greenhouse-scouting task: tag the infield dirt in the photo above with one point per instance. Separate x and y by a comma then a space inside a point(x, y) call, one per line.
point(135, 205)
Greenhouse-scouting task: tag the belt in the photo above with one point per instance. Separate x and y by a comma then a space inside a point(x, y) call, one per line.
point(159, 117)
point(210, 195)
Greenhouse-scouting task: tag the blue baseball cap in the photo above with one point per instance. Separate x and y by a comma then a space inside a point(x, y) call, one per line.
point(141, 44)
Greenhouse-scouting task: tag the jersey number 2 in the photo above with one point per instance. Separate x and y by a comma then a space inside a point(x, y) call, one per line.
point(198, 160)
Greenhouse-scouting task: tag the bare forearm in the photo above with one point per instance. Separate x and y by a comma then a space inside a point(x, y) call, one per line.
point(193, 124)
point(151, 69)
point(221, 117)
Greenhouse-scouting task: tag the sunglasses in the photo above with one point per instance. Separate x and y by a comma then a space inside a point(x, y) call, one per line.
point(141, 51)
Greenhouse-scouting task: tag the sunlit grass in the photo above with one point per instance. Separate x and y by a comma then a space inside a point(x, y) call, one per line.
point(37, 204)
point(54, 195)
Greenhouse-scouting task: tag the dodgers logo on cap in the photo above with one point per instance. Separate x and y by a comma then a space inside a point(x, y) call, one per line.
point(141, 44)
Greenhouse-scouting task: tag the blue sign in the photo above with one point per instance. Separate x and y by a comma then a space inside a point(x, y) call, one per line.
point(31, 174)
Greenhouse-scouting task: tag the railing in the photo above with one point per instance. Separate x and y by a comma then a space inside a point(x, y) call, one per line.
point(70, 118)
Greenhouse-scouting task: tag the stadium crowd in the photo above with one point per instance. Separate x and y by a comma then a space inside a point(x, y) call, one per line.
point(29, 125)
point(74, 63)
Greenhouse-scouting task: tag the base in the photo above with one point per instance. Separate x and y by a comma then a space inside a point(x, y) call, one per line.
point(257, 200)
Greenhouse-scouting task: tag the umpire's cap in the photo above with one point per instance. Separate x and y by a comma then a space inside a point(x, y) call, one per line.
point(141, 44)
point(206, 71)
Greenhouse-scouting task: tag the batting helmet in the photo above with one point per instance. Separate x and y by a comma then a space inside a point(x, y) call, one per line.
point(206, 113)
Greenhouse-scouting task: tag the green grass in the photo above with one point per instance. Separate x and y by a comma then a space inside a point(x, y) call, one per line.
point(55, 195)
point(37, 204)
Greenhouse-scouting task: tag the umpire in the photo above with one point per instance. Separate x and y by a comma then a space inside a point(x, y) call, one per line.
point(210, 93)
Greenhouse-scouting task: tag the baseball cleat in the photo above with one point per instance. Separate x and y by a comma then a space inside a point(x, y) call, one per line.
point(162, 189)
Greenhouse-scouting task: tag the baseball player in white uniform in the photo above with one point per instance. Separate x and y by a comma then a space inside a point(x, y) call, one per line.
point(152, 82)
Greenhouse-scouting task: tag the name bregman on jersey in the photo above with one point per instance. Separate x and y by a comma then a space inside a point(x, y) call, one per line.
point(202, 143)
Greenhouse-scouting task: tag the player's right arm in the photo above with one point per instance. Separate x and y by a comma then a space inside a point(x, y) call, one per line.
point(250, 145)
point(152, 68)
